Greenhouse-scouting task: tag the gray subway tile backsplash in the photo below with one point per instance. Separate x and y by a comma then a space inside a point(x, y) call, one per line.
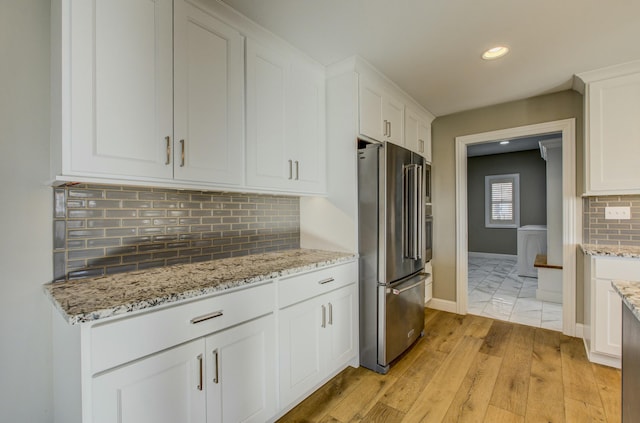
point(601, 231)
point(100, 230)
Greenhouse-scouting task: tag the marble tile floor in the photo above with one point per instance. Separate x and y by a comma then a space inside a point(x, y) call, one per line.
point(496, 291)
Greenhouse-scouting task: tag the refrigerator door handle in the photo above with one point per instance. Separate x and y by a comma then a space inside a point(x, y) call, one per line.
point(420, 213)
point(412, 211)
point(406, 241)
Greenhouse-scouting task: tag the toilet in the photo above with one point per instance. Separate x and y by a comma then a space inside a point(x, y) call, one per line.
point(532, 240)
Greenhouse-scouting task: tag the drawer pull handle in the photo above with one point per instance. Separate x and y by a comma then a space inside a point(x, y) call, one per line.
point(322, 282)
point(209, 316)
point(215, 358)
point(330, 314)
point(324, 317)
point(200, 366)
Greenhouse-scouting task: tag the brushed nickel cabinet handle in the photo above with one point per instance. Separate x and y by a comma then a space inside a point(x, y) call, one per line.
point(204, 317)
point(182, 153)
point(290, 169)
point(386, 123)
point(324, 317)
point(168, 140)
point(215, 360)
point(297, 170)
point(389, 129)
point(421, 148)
point(330, 314)
point(322, 282)
point(200, 367)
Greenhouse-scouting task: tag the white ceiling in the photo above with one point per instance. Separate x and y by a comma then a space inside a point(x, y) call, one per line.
point(432, 48)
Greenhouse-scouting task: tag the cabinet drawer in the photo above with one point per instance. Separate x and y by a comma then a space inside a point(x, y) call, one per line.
point(301, 287)
point(617, 268)
point(120, 341)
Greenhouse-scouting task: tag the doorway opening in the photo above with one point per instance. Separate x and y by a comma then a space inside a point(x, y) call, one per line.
point(569, 209)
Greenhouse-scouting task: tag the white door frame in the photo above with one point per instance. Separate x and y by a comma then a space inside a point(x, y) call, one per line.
point(571, 211)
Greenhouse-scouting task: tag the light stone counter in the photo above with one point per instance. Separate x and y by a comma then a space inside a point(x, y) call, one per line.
point(628, 251)
point(630, 293)
point(97, 298)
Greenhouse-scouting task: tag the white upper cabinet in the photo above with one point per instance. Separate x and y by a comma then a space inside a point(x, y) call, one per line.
point(612, 135)
point(117, 88)
point(285, 122)
point(381, 114)
point(418, 133)
point(209, 92)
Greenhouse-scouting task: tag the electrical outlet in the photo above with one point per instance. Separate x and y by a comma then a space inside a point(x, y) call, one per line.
point(619, 213)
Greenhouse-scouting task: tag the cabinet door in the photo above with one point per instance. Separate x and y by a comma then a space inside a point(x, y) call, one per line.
point(371, 111)
point(167, 387)
point(299, 339)
point(424, 140)
point(607, 319)
point(209, 92)
point(613, 107)
point(306, 144)
point(411, 123)
point(121, 88)
point(340, 344)
point(267, 162)
point(241, 377)
point(393, 113)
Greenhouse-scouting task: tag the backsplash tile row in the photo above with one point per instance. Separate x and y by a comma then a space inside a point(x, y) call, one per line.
point(100, 230)
point(601, 231)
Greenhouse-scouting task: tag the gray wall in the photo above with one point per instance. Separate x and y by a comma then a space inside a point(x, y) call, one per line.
point(25, 223)
point(533, 200)
point(546, 108)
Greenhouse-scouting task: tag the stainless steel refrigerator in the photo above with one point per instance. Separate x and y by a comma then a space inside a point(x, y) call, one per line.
point(391, 245)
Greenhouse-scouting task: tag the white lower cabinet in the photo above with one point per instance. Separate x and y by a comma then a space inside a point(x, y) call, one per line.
point(317, 336)
point(225, 377)
point(603, 306)
point(221, 359)
point(240, 375)
point(163, 388)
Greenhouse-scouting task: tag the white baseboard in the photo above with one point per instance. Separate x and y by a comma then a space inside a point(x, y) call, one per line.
point(443, 305)
point(491, 255)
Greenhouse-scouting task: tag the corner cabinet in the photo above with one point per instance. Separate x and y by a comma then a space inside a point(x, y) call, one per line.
point(612, 130)
point(286, 149)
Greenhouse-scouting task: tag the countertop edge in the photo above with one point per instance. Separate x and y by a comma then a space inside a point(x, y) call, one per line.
point(611, 251)
point(194, 294)
point(630, 293)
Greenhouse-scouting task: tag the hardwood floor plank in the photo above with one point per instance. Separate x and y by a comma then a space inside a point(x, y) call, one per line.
point(317, 405)
point(445, 332)
point(479, 326)
point(434, 401)
point(402, 395)
point(497, 339)
point(472, 399)
point(609, 385)
point(577, 375)
point(384, 414)
point(545, 400)
point(498, 415)
point(363, 397)
point(583, 412)
point(512, 386)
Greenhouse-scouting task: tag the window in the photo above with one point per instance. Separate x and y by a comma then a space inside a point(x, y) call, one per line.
point(502, 201)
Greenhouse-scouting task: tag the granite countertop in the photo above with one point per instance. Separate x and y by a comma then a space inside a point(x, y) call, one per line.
point(628, 251)
point(630, 293)
point(97, 298)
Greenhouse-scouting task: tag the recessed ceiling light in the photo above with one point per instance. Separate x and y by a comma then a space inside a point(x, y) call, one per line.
point(504, 142)
point(495, 52)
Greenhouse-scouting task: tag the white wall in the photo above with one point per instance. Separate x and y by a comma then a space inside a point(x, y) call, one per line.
point(25, 212)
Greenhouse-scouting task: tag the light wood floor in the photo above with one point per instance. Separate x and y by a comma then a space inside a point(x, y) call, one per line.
point(474, 369)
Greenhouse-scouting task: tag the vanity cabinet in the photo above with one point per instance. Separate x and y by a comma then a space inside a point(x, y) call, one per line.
point(317, 329)
point(603, 306)
point(286, 149)
point(612, 129)
point(418, 133)
point(381, 113)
